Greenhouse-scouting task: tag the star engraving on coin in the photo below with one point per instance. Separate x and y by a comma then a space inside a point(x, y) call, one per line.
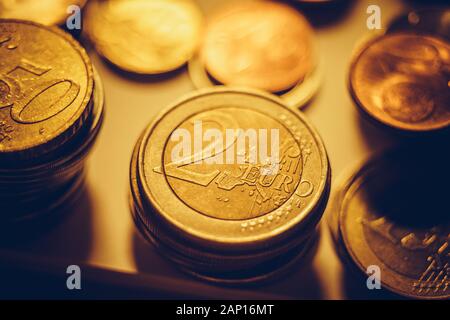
point(427, 251)
point(393, 213)
point(233, 199)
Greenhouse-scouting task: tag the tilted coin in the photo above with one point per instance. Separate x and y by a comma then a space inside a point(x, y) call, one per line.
point(48, 12)
point(402, 80)
point(297, 97)
point(393, 213)
point(46, 84)
point(198, 188)
point(259, 44)
point(142, 36)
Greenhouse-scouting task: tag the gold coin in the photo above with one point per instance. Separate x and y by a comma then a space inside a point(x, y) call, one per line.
point(402, 80)
point(22, 185)
point(145, 36)
point(46, 84)
point(259, 44)
point(223, 198)
point(48, 12)
point(297, 97)
point(393, 213)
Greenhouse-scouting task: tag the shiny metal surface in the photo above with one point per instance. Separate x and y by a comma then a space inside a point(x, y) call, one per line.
point(101, 232)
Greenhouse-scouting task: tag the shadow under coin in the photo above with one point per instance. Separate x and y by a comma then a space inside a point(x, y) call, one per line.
point(143, 78)
point(301, 280)
point(323, 14)
point(375, 135)
point(67, 234)
point(148, 259)
point(307, 285)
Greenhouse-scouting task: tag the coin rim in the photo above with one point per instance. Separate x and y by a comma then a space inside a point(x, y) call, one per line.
point(360, 49)
point(293, 97)
point(276, 232)
point(344, 184)
point(70, 127)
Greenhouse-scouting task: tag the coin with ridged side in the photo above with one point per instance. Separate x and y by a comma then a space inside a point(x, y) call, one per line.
point(240, 205)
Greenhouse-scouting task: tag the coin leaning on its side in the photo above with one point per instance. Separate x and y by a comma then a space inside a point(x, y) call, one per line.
point(144, 37)
point(393, 213)
point(402, 80)
point(210, 208)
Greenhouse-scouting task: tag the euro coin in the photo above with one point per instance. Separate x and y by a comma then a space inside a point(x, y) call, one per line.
point(402, 80)
point(392, 213)
point(47, 12)
point(46, 84)
point(144, 36)
point(219, 207)
point(51, 115)
point(258, 44)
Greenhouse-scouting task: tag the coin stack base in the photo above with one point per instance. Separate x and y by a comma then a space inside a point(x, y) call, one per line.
point(231, 234)
point(45, 134)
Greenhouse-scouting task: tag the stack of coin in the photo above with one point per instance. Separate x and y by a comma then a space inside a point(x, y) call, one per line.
point(392, 215)
point(259, 44)
point(51, 107)
point(401, 80)
point(213, 210)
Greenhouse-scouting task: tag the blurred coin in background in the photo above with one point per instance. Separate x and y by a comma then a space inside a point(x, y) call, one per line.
point(402, 80)
point(48, 12)
point(144, 36)
point(259, 44)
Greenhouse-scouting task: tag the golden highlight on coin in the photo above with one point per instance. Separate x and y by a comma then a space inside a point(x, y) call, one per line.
point(259, 44)
point(392, 213)
point(48, 12)
point(257, 52)
point(402, 80)
point(51, 106)
point(228, 181)
point(144, 37)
